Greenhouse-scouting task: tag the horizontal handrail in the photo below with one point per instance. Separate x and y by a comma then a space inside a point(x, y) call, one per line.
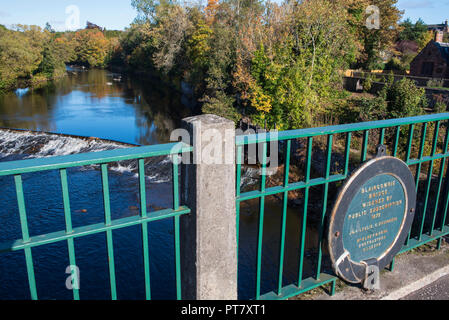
point(342, 128)
point(84, 159)
point(83, 231)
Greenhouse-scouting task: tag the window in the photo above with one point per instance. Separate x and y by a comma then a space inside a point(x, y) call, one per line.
point(427, 69)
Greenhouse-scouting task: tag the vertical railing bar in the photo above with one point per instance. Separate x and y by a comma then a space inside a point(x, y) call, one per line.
point(440, 182)
point(178, 260)
point(261, 220)
point(108, 221)
point(143, 213)
point(239, 170)
point(347, 153)
point(333, 287)
point(69, 229)
point(175, 158)
point(284, 215)
point(409, 142)
point(382, 136)
point(429, 178)
point(421, 153)
point(264, 168)
point(407, 158)
point(439, 243)
point(365, 145)
point(418, 168)
point(25, 236)
point(443, 219)
point(239, 162)
point(396, 141)
point(306, 204)
point(324, 210)
point(391, 266)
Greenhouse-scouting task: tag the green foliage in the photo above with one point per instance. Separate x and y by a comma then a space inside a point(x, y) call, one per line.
point(368, 82)
point(404, 99)
point(372, 109)
point(278, 63)
point(111, 34)
point(376, 41)
point(51, 64)
point(414, 32)
point(49, 28)
point(33, 56)
point(90, 47)
point(396, 64)
point(440, 107)
point(396, 100)
point(20, 54)
point(221, 105)
point(435, 83)
point(218, 76)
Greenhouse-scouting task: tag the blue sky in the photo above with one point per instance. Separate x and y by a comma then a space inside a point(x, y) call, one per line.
point(431, 11)
point(112, 14)
point(118, 14)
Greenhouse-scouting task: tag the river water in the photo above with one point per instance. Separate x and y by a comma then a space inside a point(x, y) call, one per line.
point(101, 104)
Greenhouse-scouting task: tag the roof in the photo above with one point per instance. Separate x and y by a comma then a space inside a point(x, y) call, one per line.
point(442, 26)
point(444, 49)
point(435, 26)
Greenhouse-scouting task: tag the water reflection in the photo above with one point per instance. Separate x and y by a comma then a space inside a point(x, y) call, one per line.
point(98, 103)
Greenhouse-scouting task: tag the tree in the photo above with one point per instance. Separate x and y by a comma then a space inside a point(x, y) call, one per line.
point(377, 42)
point(416, 32)
point(210, 11)
point(168, 36)
point(90, 47)
point(147, 9)
point(49, 28)
point(297, 81)
point(404, 99)
point(20, 53)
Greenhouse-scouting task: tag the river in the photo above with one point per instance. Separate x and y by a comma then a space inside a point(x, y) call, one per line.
point(109, 106)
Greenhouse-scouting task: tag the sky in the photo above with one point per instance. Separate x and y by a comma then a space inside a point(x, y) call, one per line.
point(118, 14)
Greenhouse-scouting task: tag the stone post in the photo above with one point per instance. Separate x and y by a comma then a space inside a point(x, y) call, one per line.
point(208, 234)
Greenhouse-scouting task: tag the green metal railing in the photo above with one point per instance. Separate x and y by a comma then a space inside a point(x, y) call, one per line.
point(27, 243)
point(401, 142)
point(422, 142)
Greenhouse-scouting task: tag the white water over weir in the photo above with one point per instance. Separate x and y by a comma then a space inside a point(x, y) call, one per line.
point(19, 145)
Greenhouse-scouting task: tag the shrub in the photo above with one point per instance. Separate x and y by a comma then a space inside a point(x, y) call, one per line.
point(404, 99)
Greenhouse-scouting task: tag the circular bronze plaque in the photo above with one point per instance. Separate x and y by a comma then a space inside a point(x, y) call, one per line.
point(372, 217)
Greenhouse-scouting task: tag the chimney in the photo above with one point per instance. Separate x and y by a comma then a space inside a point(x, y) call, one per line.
point(439, 36)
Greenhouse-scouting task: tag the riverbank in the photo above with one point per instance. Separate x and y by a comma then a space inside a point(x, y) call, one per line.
point(37, 82)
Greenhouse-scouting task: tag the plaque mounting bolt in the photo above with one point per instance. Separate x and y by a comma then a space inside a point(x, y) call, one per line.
point(381, 150)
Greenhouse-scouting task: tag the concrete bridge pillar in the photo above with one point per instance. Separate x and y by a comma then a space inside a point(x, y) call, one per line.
point(208, 234)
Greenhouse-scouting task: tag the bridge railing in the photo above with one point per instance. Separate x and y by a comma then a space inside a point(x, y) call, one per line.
point(205, 236)
point(104, 158)
point(421, 142)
